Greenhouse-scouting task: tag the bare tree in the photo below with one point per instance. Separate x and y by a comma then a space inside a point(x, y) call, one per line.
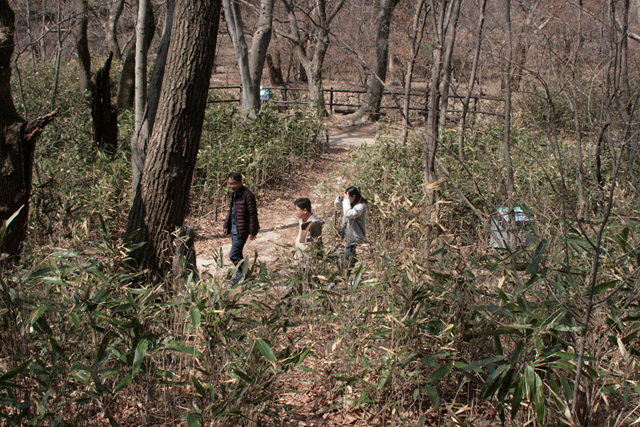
point(160, 204)
point(313, 61)
point(250, 60)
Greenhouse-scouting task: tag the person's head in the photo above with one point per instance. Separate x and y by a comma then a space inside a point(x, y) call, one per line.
point(303, 208)
point(234, 180)
point(354, 196)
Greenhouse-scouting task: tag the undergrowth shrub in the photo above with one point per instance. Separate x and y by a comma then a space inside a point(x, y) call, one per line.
point(267, 151)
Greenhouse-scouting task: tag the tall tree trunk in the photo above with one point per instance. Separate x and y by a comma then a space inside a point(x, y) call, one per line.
point(127, 82)
point(416, 39)
point(432, 126)
point(507, 105)
point(449, 41)
point(250, 60)
point(472, 81)
point(112, 29)
point(159, 207)
point(143, 33)
point(144, 121)
point(103, 112)
point(17, 145)
point(82, 45)
point(274, 68)
point(370, 109)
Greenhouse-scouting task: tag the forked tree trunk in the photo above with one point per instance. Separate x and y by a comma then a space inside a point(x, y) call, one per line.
point(250, 60)
point(313, 65)
point(17, 145)
point(160, 204)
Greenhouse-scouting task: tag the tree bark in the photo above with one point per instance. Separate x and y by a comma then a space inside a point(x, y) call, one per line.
point(143, 131)
point(250, 60)
point(160, 205)
point(143, 34)
point(472, 81)
point(274, 67)
point(17, 145)
point(449, 41)
point(112, 29)
point(103, 112)
point(370, 109)
point(82, 45)
point(126, 84)
point(432, 137)
point(417, 32)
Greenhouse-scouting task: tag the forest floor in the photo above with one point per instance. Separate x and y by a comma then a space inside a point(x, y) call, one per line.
point(321, 183)
point(311, 403)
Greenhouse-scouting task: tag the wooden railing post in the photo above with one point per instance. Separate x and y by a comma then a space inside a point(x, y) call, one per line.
point(331, 101)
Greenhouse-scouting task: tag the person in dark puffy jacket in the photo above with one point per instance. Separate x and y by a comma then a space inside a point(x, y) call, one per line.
point(241, 222)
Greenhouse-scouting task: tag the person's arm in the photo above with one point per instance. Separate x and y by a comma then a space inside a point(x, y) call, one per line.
point(252, 208)
point(352, 212)
point(226, 225)
point(338, 203)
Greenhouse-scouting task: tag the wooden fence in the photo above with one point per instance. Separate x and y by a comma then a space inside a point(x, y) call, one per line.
point(340, 101)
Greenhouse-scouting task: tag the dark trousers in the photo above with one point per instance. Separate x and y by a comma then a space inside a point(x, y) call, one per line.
point(235, 254)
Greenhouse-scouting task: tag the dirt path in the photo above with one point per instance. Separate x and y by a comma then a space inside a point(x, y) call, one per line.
point(275, 209)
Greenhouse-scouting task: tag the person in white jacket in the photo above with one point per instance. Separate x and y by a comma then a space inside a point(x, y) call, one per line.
point(354, 212)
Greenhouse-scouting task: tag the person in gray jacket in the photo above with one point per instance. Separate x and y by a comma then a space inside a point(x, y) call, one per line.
point(354, 212)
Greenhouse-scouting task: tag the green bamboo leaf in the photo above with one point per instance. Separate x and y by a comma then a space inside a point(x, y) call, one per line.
point(195, 316)
point(433, 395)
point(539, 398)
point(266, 350)
point(126, 380)
point(57, 349)
point(529, 382)
point(141, 351)
point(192, 421)
point(483, 362)
point(5, 224)
point(35, 315)
point(183, 349)
point(440, 372)
point(604, 286)
point(517, 398)
point(494, 381)
point(103, 347)
point(14, 371)
point(199, 387)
